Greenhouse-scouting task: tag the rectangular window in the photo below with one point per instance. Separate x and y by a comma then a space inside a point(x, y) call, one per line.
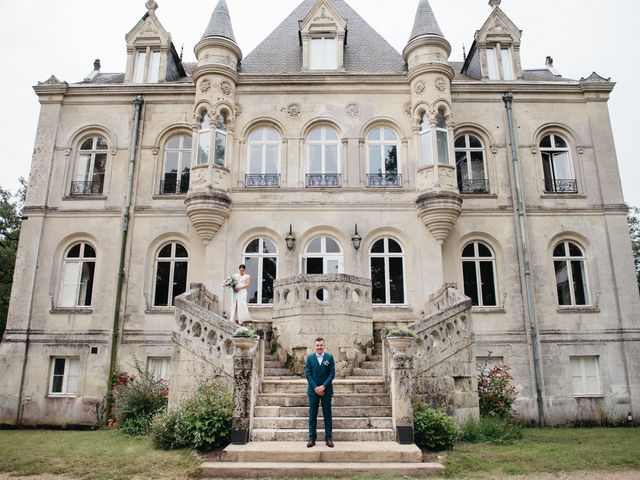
point(141, 61)
point(323, 54)
point(492, 64)
point(154, 67)
point(64, 376)
point(203, 147)
point(507, 64)
point(585, 378)
point(159, 367)
point(426, 148)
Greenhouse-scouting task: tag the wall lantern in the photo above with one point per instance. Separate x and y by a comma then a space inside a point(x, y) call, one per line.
point(290, 239)
point(356, 239)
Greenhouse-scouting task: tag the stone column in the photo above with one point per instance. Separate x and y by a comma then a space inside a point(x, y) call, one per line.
point(244, 363)
point(401, 370)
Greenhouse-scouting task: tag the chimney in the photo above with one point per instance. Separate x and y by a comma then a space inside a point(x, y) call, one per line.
point(549, 64)
point(96, 64)
point(94, 73)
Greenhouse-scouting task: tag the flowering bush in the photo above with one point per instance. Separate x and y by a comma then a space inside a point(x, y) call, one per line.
point(495, 392)
point(136, 400)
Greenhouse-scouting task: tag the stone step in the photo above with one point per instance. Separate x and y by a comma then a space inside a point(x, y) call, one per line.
point(272, 364)
point(300, 400)
point(367, 372)
point(349, 423)
point(339, 435)
point(369, 364)
point(282, 377)
point(275, 411)
point(353, 452)
point(339, 386)
point(274, 372)
point(307, 470)
point(374, 358)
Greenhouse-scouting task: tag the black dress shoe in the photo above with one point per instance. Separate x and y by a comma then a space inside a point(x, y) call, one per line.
point(329, 443)
point(311, 443)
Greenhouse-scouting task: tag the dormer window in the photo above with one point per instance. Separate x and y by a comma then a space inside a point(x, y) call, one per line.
point(499, 63)
point(323, 54)
point(147, 67)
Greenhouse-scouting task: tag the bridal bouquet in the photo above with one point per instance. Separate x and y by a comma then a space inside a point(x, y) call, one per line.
point(230, 282)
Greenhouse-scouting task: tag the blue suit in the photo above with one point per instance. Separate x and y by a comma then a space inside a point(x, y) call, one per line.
point(320, 374)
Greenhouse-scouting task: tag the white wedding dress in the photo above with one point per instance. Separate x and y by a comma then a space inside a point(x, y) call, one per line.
point(239, 300)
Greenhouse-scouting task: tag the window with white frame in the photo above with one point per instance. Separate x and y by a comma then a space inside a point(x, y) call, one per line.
point(204, 140)
point(426, 144)
point(479, 274)
point(428, 151)
point(220, 141)
point(177, 165)
point(170, 273)
point(500, 64)
point(159, 367)
point(442, 138)
point(569, 262)
point(387, 272)
point(383, 165)
point(470, 163)
point(321, 256)
point(323, 54)
point(90, 167)
point(64, 375)
point(264, 157)
point(212, 134)
point(78, 270)
point(324, 158)
point(261, 260)
point(585, 376)
point(556, 165)
point(147, 66)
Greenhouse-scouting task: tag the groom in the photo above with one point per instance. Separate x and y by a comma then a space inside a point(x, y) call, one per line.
point(320, 370)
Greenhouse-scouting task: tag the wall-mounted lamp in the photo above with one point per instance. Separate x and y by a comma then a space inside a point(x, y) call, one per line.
point(290, 240)
point(356, 239)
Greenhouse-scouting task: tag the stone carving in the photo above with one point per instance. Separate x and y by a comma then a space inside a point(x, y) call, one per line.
point(150, 28)
point(293, 110)
point(226, 88)
point(323, 15)
point(441, 84)
point(353, 110)
point(595, 78)
point(52, 80)
point(238, 110)
point(420, 87)
point(580, 150)
point(152, 6)
point(406, 109)
point(494, 149)
point(205, 86)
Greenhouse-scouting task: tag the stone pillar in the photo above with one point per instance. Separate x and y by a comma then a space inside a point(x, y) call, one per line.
point(401, 371)
point(244, 369)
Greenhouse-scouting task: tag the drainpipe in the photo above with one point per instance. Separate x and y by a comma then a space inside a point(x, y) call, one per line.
point(139, 101)
point(522, 230)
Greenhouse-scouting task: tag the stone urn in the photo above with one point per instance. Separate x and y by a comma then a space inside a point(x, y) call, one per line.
point(400, 343)
point(244, 344)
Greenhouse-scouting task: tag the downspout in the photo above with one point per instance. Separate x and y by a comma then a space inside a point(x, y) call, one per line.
point(139, 101)
point(522, 230)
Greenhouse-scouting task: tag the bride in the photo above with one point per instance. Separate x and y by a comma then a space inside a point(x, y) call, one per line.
point(239, 310)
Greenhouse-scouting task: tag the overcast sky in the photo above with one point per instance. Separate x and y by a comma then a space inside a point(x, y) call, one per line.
point(63, 37)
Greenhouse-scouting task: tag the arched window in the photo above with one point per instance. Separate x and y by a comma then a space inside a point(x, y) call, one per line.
point(261, 259)
point(264, 155)
point(383, 158)
point(387, 271)
point(204, 140)
point(479, 274)
point(324, 158)
point(170, 274)
point(76, 285)
point(470, 162)
point(571, 274)
point(220, 147)
point(322, 255)
point(556, 165)
point(177, 164)
point(91, 163)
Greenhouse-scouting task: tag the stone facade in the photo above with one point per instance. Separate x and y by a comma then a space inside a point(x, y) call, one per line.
point(283, 109)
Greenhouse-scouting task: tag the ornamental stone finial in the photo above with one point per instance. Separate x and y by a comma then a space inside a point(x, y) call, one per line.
point(494, 3)
point(152, 6)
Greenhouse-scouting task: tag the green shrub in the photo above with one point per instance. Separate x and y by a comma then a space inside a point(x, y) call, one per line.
point(495, 392)
point(137, 400)
point(203, 421)
point(433, 428)
point(496, 430)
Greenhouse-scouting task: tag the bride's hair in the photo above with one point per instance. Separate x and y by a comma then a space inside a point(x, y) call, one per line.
point(242, 265)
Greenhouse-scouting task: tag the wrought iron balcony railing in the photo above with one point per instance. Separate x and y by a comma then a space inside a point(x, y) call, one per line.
point(175, 187)
point(480, 185)
point(318, 180)
point(265, 180)
point(567, 185)
point(87, 188)
point(384, 180)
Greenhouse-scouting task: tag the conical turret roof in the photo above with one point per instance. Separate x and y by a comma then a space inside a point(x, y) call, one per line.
point(425, 23)
point(220, 23)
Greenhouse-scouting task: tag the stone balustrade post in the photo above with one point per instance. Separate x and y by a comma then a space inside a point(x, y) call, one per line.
point(401, 371)
point(245, 388)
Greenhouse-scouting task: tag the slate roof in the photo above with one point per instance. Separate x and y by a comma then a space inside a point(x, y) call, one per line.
point(425, 22)
point(220, 23)
point(365, 52)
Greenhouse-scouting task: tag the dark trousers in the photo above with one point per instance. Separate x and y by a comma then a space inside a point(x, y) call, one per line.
point(314, 403)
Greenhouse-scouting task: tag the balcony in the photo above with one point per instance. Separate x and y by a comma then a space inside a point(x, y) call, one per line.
point(175, 187)
point(265, 180)
point(324, 180)
point(561, 185)
point(86, 188)
point(384, 180)
point(468, 186)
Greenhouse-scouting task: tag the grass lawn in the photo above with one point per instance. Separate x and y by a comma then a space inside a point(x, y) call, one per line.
point(549, 451)
point(98, 455)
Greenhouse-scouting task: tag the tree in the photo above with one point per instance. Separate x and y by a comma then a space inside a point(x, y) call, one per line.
point(10, 222)
point(633, 217)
